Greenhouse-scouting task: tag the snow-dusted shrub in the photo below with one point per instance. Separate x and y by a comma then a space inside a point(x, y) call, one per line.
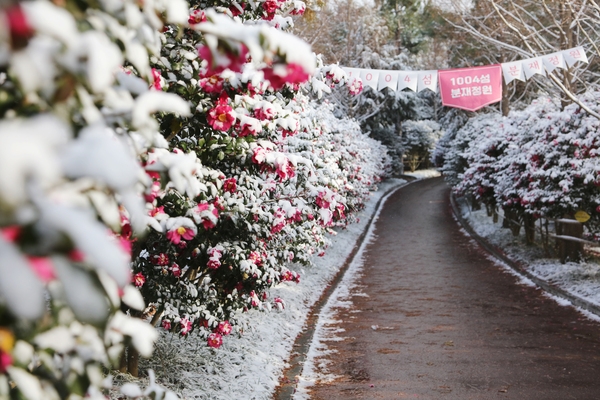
point(271, 179)
point(419, 138)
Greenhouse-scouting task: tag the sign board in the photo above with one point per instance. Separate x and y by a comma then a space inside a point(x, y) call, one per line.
point(471, 88)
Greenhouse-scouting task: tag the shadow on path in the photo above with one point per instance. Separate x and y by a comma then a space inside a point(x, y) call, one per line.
point(436, 319)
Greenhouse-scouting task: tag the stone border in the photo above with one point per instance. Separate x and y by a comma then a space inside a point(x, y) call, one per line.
point(288, 380)
point(520, 269)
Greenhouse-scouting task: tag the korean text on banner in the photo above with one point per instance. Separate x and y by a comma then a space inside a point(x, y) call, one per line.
point(428, 80)
point(408, 80)
point(512, 71)
point(388, 79)
point(471, 88)
point(370, 77)
point(574, 55)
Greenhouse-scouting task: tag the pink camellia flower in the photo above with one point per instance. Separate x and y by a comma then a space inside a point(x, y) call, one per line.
point(207, 221)
point(5, 361)
point(19, 28)
point(196, 17)
point(157, 79)
point(175, 235)
point(255, 258)
point(270, 7)
point(139, 279)
point(224, 328)
point(10, 233)
point(299, 8)
point(264, 111)
point(254, 301)
point(232, 60)
point(322, 201)
point(157, 211)
point(221, 117)
point(176, 270)
point(186, 326)
point(230, 185)
point(43, 268)
point(235, 11)
point(355, 87)
point(259, 156)
point(211, 84)
point(166, 324)
point(249, 126)
point(284, 168)
point(281, 74)
point(214, 260)
point(215, 340)
point(161, 259)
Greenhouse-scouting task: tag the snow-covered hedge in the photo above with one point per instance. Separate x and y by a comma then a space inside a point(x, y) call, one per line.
point(541, 161)
point(180, 141)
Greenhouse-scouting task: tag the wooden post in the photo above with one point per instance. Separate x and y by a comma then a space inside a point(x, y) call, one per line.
point(569, 250)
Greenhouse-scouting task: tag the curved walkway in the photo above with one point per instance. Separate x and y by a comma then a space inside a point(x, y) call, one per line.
point(436, 319)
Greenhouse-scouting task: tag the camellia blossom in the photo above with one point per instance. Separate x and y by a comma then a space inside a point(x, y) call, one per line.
point(284, 168)
point(224, 328)
point(157, 84)
point(214, 261)
point(179, 233)
point(166, 324)
point(161, 259)
point(215, 340)
point(270, 7)
point(43, 268)
point(207, 214)
point(196, 17)
point(281, 74)
point(355, 87)
point(230, 185)
point(139, 279)
point(211, 84)
point(259, 155)
point(222, 116)
point(264, 111)
point(232, 60)
point(186, 326)
point(176, 270)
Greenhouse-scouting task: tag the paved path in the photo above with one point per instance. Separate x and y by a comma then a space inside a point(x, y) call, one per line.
point(451, 323)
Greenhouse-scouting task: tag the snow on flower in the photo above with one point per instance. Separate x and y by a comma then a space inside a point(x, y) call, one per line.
point(214, 254)
point(205, 214)
point(166, 324)
point(224, 328)
point(215, 340)
point(249, 126)
point(139, 279)
point(161, 259)
point(279, 75)
point(175, 270)
point(179, 228)
point(186, 326)
point(356, 87)
point(196, 17)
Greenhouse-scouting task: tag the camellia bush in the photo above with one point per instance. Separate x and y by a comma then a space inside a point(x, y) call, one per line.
point(273, 178)
point(539, 162)
point(179, 140)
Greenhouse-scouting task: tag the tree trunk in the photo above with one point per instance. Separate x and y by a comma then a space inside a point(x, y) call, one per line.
point(529, 225)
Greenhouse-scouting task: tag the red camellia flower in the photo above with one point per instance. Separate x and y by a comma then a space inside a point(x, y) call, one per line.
point(221, 117)
point(196, 17)
point(230, 185)
point(232, 60)
point(161, 259)
point(166, 324)
point(224, 328)
point(281, 74)
point(215, 340)
point(139, 279)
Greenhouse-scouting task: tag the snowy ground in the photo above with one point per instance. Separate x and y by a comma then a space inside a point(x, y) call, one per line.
point(579, 279)
point(249, 366)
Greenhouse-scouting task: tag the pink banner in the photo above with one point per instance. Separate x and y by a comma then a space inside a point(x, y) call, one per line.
point(471, 88)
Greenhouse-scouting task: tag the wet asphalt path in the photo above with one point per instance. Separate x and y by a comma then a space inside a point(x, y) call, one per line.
point(450, 324)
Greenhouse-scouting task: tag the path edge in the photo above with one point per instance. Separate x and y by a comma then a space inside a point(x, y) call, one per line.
point(288, 379)
point(519, 268)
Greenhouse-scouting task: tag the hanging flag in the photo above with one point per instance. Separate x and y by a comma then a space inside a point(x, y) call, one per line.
point(533, 66)
point(428, 80)
point(369, 77)
point(471, 88)
point(574, 55)
point(388, 79)
point(553, 61)
point(512, 71)
point(408, 80)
